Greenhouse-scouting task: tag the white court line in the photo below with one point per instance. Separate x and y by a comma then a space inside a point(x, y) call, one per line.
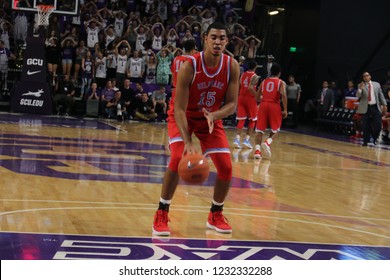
point(193, 206)
point(200, 211)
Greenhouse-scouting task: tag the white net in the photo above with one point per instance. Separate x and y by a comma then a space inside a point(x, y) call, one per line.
point(44, 12)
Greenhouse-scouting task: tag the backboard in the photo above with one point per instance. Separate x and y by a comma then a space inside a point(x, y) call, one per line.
point(65, 7)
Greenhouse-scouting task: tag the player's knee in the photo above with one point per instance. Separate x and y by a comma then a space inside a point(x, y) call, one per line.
point(223, 164)
point(176, 155)
point(240, 124)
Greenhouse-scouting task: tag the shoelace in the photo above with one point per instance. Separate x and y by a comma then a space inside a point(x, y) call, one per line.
point(218, 217)
point(161, 218)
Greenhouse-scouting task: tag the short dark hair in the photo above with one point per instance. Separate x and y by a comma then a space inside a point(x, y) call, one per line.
point(252, 64)
point(189, 45)
point(275, 69)
point(217, 25)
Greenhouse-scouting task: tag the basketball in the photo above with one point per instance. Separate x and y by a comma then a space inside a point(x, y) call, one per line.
point(194, 168)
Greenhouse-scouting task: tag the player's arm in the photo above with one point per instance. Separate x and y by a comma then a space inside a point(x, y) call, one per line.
point(184, 79)
point(254, 80)
point(259, 92)
point(231, 96)
point(284, 98)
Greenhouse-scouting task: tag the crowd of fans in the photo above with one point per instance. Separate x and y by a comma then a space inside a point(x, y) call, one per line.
point(116, 42)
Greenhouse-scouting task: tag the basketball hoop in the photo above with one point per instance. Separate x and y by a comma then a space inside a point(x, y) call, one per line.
point(44, 12)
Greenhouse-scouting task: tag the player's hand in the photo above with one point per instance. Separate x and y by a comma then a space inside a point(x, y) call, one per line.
point(189, 149)
point(284, 114)
point(361, 85)
point(210, 119)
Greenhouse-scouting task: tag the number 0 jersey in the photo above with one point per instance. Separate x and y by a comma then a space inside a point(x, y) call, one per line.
point(270, 90)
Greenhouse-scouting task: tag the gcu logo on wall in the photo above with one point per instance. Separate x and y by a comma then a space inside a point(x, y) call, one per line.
point(35, 61)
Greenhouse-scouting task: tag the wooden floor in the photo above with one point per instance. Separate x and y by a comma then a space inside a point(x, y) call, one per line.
point(68, 176)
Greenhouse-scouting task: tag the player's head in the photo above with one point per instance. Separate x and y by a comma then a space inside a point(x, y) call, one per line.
point(189, 46)
point(216, 38)
point(275, 69)
point(252, 65)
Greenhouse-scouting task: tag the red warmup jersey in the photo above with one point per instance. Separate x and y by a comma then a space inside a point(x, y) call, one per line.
point(244, 84)
point(270, 90)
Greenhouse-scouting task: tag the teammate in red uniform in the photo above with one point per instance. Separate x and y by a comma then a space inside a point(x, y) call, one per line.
point(189, 50)
point(247, 106)
point(270, 114)
point(203, 83)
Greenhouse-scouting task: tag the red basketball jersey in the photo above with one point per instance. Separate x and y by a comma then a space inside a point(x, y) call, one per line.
point(244, 83)
point(175, 66)
point(270, 90)
point(209, 85)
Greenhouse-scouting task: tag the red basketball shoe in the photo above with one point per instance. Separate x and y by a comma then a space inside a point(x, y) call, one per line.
point(160, 223)
point(218, 222)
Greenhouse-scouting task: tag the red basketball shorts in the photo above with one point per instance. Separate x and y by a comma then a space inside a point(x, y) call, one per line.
point(210, 143)
point(246, 108)
point(269, 116)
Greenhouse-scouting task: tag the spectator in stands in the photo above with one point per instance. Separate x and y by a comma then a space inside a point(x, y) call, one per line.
point(139, 90)
point(293, 91)
point(159, 103)
point(252, 45)
point(164, 60)
point(111, 62)
point(100, 70)
point(116, 108)
point(141, 32)
point(151, 68)
point(80, 53)
point(107, 94)
point(135, 68)
point(158, 36)
point(268, 65)
point(172, 37)
point(128, 96)
point(88, 71)
point(5, 54)
point(92, 28)
point(53, 52)
point(64, 96)
point(145, 109)
point(372, 105)
point(5, 28)
point(337, 94)
point(68, 45)
point(93, 92)
point(351, 90)
point(122, 54)
point(324, 99)
point(20, 27)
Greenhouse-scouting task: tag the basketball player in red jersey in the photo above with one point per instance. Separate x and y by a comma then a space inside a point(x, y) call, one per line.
point(189, 50)
point(204, 83)
point(270, 114)
point(247, 106)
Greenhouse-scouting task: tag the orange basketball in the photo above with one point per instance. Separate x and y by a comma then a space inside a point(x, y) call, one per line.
point(194, 168)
